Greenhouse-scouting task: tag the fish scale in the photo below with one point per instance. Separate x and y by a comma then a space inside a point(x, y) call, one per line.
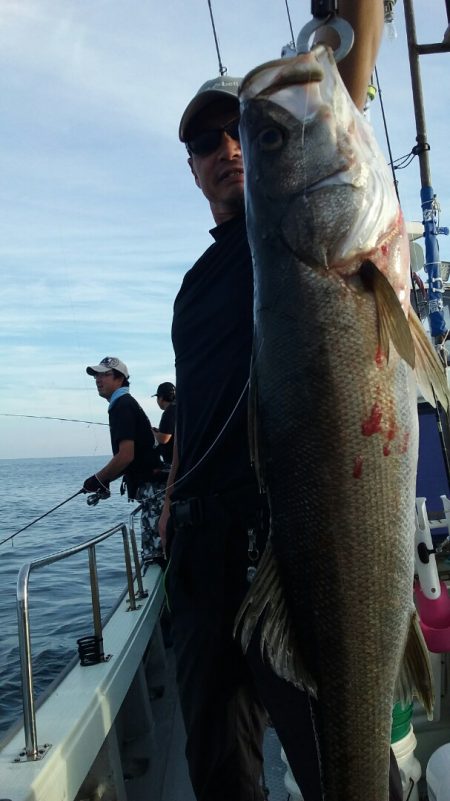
point(333, 411)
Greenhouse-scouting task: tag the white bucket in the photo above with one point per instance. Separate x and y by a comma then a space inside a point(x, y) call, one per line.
point(408, 765)
point(438, 774)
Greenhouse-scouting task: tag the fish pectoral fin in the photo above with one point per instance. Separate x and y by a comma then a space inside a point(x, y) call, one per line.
point(415, 677)
point(265, 606)
point(392, 323)
point(430, 372)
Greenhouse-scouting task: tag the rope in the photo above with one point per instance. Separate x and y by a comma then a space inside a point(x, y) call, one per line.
point(222, 69)
point(40, 518)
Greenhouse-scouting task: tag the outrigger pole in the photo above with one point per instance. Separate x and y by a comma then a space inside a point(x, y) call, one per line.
point(428, 198)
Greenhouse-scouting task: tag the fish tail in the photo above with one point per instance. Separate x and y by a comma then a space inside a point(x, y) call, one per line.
point(265, 604)
point(415, 677)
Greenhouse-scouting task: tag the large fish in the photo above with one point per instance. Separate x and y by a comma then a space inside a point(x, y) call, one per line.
point(337, 352)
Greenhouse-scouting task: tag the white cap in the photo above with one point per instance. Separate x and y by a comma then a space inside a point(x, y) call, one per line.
point(108, 363)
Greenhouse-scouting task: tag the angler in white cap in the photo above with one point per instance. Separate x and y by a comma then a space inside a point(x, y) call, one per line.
point(135, 457)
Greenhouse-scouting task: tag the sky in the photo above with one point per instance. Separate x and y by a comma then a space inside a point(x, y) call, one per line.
point(99, 215)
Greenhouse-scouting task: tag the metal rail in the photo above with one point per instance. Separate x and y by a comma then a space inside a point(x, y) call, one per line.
point(32, 750)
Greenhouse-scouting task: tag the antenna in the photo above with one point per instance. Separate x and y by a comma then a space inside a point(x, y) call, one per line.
point(222, 69)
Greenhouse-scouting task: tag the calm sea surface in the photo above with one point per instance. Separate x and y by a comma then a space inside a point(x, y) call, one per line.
point(59, 594)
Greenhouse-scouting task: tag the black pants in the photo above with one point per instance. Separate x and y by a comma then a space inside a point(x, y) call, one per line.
point(223, 694)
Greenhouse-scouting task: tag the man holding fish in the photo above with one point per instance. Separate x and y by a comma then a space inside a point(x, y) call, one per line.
point(220, 496)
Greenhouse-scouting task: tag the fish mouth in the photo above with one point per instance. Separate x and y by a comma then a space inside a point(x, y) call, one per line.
point(274, 76)
point(297, 75)
point(297, 84)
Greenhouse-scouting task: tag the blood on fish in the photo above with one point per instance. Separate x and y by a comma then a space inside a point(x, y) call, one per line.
point(373, 423)
point(357, 467)
point(405, 444)
point(392, 430)
point(380, 357)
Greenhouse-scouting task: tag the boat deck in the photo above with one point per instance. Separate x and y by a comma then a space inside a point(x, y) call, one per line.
point(176, 786)
point(115, 728)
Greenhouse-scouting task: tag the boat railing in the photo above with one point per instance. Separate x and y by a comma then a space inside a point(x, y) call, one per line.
point(90, 648)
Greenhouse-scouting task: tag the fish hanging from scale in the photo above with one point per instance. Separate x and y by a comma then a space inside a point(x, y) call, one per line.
point(337, 357)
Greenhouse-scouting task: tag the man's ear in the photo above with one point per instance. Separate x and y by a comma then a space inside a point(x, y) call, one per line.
point(191, 165)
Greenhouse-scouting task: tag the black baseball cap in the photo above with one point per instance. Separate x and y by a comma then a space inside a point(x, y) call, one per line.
point(166, 391)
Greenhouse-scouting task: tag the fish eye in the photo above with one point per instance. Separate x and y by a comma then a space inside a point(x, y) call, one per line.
point(270, 138)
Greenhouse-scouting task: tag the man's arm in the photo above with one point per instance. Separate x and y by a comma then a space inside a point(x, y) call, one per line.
point(115, 467)
point(118, 464)
point(160, 437)
point(367, 20)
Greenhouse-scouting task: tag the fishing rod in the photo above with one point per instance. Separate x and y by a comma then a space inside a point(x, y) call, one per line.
point(46, 417)
point(91, 500)
point(222, 68)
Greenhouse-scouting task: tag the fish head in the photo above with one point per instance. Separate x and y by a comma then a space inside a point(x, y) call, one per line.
point(315, 178)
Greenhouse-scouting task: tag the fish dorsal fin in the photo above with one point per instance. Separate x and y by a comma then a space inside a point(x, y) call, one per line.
point(392, 323)
point(265, 602)
point(415, 676)
point(430, 372)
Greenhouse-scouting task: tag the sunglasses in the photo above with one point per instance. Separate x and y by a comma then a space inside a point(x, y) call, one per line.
point(207, 142)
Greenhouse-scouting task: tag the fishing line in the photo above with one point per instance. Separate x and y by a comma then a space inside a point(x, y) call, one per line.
point(41, 517)
point(222, 69)
point(386, 133)
point(213, 444)
point(158, 492)
point(400, 163)
point(45, 417)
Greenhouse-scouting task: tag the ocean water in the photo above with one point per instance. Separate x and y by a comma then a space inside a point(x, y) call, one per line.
point(60, 610)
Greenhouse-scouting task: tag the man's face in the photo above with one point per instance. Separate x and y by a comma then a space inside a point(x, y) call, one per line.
point(220, 174)
point(107, 383)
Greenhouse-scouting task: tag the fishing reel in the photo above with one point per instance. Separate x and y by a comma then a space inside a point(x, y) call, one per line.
point(95, 497)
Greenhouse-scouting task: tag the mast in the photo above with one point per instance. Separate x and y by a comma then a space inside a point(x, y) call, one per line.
point(427, 195)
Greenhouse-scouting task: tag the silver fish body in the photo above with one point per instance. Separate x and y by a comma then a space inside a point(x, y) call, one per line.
point(333, 415)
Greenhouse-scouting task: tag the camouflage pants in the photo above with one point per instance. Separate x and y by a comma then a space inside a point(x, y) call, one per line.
point(151, 496)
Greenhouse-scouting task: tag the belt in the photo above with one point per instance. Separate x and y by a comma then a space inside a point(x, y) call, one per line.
point(192, 511)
